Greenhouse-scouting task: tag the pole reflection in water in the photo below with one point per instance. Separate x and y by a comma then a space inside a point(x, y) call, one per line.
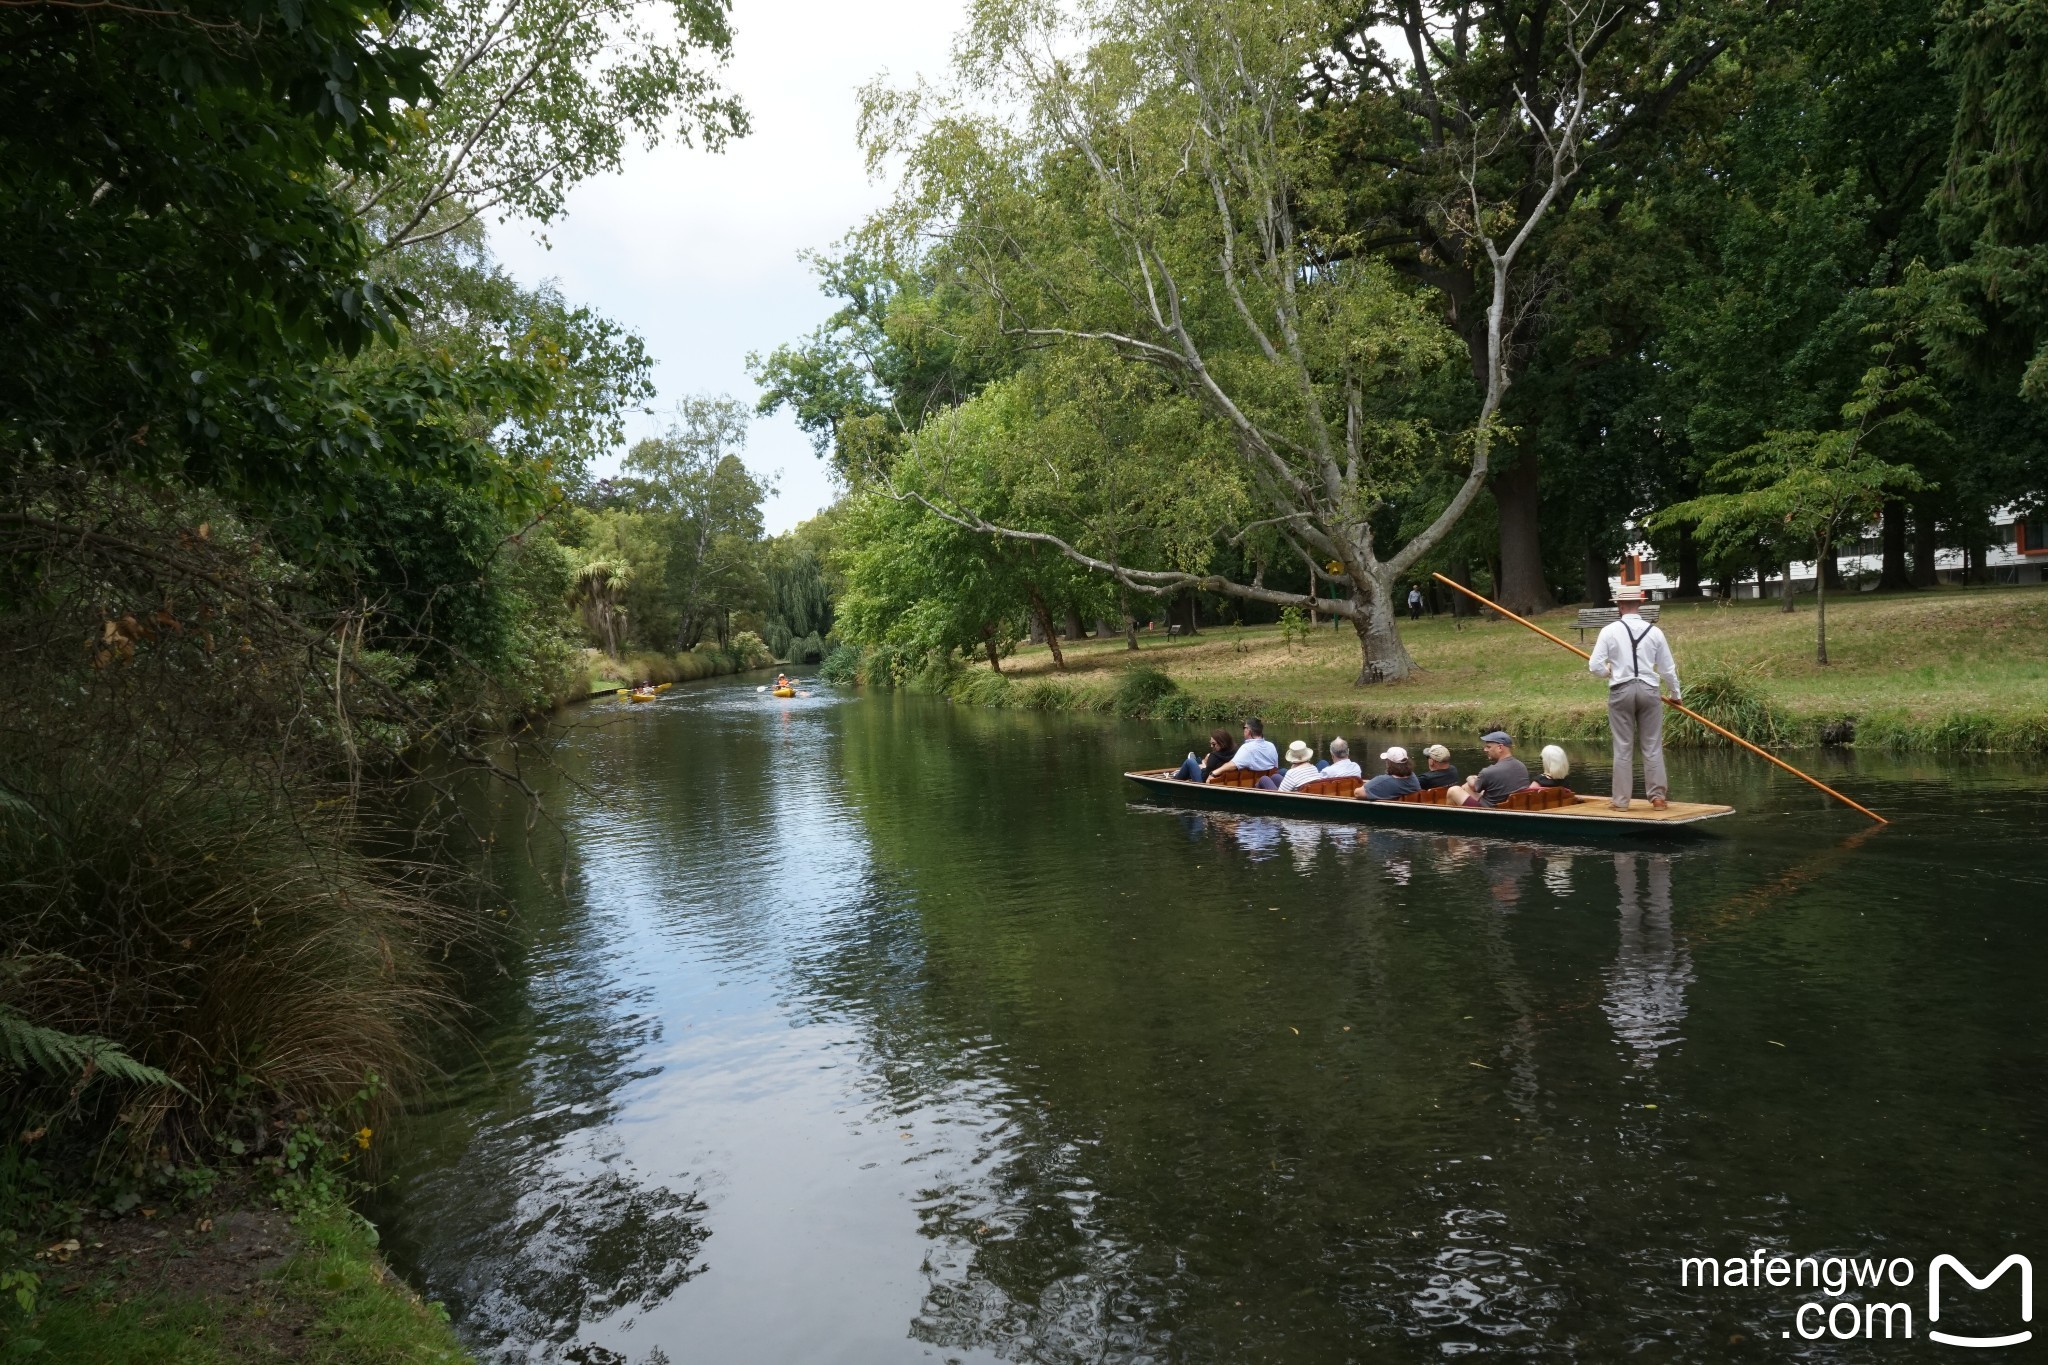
point(877, 1029)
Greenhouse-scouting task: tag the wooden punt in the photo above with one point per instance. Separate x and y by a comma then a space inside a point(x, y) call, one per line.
point(1555, 812)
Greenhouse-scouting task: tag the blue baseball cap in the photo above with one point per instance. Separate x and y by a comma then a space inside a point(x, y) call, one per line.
point(1496, 737)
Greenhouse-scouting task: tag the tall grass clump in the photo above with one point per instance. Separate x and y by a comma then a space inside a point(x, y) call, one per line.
point(225, 844)
point(1734, 697)
point(1141, 690)
point(842, 666)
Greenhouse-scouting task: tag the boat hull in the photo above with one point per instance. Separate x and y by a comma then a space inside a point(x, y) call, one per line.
point(1592, 816)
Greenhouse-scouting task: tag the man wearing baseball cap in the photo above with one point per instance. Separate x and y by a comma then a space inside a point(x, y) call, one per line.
point(1397, 781)
point(1632, 655)
point(1502, 777)
point(1440, 772)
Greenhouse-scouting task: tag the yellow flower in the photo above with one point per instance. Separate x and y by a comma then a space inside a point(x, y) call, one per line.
point(363, 1138)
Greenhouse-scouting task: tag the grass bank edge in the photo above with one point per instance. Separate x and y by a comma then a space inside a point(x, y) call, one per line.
point(361, 1311)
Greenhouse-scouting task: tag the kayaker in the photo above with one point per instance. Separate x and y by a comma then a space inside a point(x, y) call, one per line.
point(1632, 655)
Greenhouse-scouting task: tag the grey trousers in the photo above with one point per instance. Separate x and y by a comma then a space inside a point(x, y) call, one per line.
point(1636, 715)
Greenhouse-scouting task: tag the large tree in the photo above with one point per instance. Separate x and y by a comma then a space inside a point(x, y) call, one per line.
point(1164, 194)
point(1409, 89)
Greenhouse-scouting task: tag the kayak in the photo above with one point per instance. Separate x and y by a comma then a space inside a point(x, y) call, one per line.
point(640, 696)
point(1555, 811)
point(783, 692)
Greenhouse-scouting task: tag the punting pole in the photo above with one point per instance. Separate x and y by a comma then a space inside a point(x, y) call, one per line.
point(1668, 701)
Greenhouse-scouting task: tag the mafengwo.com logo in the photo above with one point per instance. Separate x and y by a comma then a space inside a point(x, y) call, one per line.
point(1862, 1298)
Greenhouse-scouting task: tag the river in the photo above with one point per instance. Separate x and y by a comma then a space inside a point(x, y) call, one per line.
point(865, 1027)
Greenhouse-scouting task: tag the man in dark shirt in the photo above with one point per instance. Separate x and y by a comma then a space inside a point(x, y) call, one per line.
point(1503, 775)
point(1440, 773)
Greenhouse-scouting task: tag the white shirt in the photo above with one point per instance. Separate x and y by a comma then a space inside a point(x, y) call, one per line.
point(1299, 775)
point(1343, 767)
point(1257, 755)
point(1630, 650)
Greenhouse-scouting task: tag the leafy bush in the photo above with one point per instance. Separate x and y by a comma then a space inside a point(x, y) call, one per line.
point(808, 650)
point(842, 666)
point(1734, 698)
point(1141, 690)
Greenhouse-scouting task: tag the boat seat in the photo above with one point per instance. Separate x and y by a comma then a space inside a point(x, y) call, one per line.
point(1332, 786)
point(1428, 796)
point(1540, 798)
point(1236, 777)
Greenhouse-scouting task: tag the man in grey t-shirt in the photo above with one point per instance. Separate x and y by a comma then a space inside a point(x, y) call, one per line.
point(1503, 775)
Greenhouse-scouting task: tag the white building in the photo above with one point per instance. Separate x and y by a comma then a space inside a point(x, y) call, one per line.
point(2018, 554)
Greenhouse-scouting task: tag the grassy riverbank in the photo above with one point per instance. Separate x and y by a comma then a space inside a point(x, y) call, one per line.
point(228, 1281)
point(1933, 670)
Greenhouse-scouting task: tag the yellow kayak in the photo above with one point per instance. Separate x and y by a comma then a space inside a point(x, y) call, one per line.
point(641, 696)
point(784, 692)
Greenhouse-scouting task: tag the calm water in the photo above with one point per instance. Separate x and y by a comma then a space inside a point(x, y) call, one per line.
point(869, 1028)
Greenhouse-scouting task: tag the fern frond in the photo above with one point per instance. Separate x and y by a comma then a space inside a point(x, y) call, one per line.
point(26, 1047)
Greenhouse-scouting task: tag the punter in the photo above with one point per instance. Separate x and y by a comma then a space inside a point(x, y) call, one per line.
point(1632, 655)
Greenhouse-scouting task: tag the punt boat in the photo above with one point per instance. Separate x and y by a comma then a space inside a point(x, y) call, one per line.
point(1555, 811)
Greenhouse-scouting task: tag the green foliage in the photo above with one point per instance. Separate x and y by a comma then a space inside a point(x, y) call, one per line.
point(1293, 626)
point(31, 1047)
point(1994, 199)
point(842, 666)
point(1736, 698)
point(1141, 691)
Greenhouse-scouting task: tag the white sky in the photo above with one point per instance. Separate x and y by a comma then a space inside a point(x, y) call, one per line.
point(698, 253)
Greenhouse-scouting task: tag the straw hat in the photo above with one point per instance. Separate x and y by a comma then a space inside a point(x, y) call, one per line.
point(1299, 752)
point(1628, 594)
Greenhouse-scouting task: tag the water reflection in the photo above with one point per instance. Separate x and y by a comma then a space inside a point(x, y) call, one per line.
point(1646, 986)
point(845, 1051)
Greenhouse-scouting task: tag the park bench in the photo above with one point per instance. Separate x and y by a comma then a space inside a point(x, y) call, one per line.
point(1593, 618)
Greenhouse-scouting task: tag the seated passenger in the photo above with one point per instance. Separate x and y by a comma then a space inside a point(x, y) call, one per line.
point(1440, 773)
point(1255, 755)
point(1502, 777)
point(1398, 780)
point(1221, 748)
point(1303, 767)
point(1340, 764)
point(1556, 768)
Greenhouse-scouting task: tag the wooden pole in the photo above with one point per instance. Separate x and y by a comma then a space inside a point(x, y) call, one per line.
point(1671, 702)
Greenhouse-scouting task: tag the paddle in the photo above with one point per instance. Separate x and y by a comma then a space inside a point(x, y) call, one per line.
point(1668, 701)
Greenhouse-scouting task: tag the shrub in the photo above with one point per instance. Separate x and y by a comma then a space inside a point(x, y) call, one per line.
point(841, 666)
point(1734, 698)
point(808, 650)
point(1141, 690)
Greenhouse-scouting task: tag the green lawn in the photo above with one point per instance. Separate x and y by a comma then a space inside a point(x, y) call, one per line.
point(1949, 667)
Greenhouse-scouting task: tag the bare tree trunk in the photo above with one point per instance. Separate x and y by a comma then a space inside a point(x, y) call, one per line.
point(1688, 562)
point(1926, 544)
point(1052, 637)
point(1976, 564)
point(1459, 571)
point(1075, 630)
point(1597, 593)
point(1787, 593)
point(1520, 586)
point(1893, 577)
point(1383, 658)
point(988, 642)
point(1123, 606)
point(1820, 603)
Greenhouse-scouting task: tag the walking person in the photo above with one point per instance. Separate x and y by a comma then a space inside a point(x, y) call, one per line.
point(1414, 602)
point(1632, 655)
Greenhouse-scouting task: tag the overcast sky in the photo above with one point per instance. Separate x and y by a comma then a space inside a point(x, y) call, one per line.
point(698, 253)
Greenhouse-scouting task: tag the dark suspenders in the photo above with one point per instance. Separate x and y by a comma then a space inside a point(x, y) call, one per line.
point(1635, 664)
